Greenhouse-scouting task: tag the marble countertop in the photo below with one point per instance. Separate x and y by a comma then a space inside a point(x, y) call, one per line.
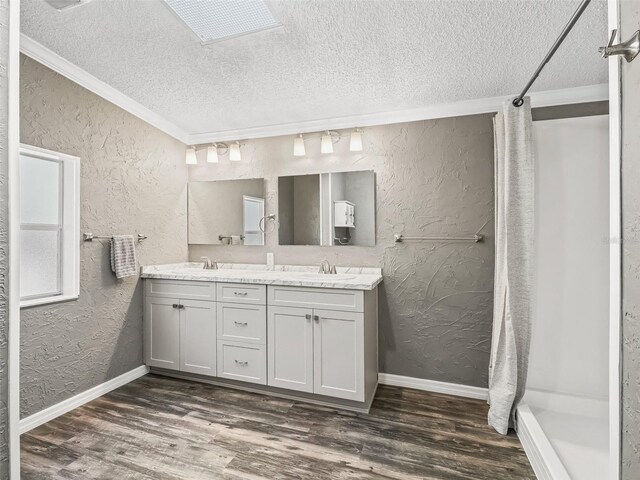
point(351, 278)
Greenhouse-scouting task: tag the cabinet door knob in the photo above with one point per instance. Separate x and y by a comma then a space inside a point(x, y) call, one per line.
point(308, 316)
point(175, 305)
point(316, 318)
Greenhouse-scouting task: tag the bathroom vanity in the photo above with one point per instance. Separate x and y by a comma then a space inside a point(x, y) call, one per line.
point(289, 331)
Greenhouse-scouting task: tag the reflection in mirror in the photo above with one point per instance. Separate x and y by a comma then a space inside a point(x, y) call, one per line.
point(226, 212)
point(327, 209)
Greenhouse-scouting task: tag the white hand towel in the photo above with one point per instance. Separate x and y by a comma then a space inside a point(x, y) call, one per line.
point(123, 256)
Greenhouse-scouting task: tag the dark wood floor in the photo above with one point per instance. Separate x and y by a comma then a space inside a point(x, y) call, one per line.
point(160, 428)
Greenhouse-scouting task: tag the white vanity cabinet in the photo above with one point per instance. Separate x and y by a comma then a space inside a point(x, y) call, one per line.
point(180, 333)
point(321, 342)
point(321, 349)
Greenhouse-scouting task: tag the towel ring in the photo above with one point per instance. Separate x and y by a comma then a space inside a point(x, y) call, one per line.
point(261, 223)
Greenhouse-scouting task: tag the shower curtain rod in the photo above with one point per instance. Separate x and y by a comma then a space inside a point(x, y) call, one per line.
point(519, 100)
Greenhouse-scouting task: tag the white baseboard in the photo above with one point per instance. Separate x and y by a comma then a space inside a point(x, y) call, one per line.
point(433, 386)
point(543, 458)
point(37, 419)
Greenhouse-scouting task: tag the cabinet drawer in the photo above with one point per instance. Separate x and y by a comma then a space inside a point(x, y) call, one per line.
point(180, 289)
point(242, 323)
point(241, 361)
point(242, 293)
point(326, 298)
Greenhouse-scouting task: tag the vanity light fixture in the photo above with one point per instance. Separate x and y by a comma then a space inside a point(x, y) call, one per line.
point(191, 158)
point(234, 152)
point(298, 147)
point(355, 145)
point(212, 153)
point(326, 144)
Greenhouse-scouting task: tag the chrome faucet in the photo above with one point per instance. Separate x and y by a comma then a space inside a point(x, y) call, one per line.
point(327, 268)
point(209, 264)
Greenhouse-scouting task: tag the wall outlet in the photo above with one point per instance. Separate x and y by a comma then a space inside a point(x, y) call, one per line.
point(270, 261)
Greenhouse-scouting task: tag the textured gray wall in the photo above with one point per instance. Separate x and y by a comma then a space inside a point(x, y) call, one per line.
point(133, 180)
point(630, 19)
point(4, 237)
point(433, 178)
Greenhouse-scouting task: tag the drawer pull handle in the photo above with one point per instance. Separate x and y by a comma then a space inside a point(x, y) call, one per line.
point(240, 294)
point(240, 323)
point(242, 364)
point(308, 316)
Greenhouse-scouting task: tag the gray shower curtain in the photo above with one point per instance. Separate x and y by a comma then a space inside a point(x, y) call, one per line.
point(514, 206)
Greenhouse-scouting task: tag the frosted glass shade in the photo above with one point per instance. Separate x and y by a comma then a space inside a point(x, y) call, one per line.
point(39, 191)
point(191, 158)
point(212, 154)
point(234, 152)
point(298, 147)
point(326, 145)
point(355, 145)
point(39, 262)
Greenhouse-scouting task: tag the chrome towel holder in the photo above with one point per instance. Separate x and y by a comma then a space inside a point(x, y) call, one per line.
point(89, 237)
point(398, 238)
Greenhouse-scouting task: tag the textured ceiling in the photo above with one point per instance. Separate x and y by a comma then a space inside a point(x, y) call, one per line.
point(330, 58)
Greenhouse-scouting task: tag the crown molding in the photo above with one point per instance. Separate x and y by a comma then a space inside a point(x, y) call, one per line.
point(55, 62)
point(45, 56)
point(567, 96)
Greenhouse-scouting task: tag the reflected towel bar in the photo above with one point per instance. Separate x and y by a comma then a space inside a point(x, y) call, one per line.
point(469, 238)
point(89, 237)
point(228, 237)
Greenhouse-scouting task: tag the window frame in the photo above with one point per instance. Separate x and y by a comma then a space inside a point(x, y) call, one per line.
point(68, 227)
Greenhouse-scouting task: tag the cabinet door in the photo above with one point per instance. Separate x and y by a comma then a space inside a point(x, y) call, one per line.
point(338, 354)
point(290, 348)
point(198, 337)
point(162, 332)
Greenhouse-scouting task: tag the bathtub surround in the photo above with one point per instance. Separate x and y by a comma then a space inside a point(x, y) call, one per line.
point(133, 180)
point(432, 178)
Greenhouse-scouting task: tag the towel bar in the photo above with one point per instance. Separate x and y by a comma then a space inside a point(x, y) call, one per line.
point(89, 237)
point(470, 238)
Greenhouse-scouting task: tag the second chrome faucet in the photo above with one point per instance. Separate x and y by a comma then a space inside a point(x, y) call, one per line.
point(327, 268)
point(209, 264)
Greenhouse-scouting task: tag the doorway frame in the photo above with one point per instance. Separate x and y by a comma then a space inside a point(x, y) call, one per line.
point(13, 308)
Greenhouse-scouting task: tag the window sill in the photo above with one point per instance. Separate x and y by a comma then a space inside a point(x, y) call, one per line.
point(47, 300)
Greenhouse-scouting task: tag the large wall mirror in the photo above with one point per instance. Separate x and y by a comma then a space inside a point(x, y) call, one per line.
point(226, 212)
point(328, 209)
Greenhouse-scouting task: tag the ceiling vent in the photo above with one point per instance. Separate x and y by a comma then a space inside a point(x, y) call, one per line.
point(217, 20)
